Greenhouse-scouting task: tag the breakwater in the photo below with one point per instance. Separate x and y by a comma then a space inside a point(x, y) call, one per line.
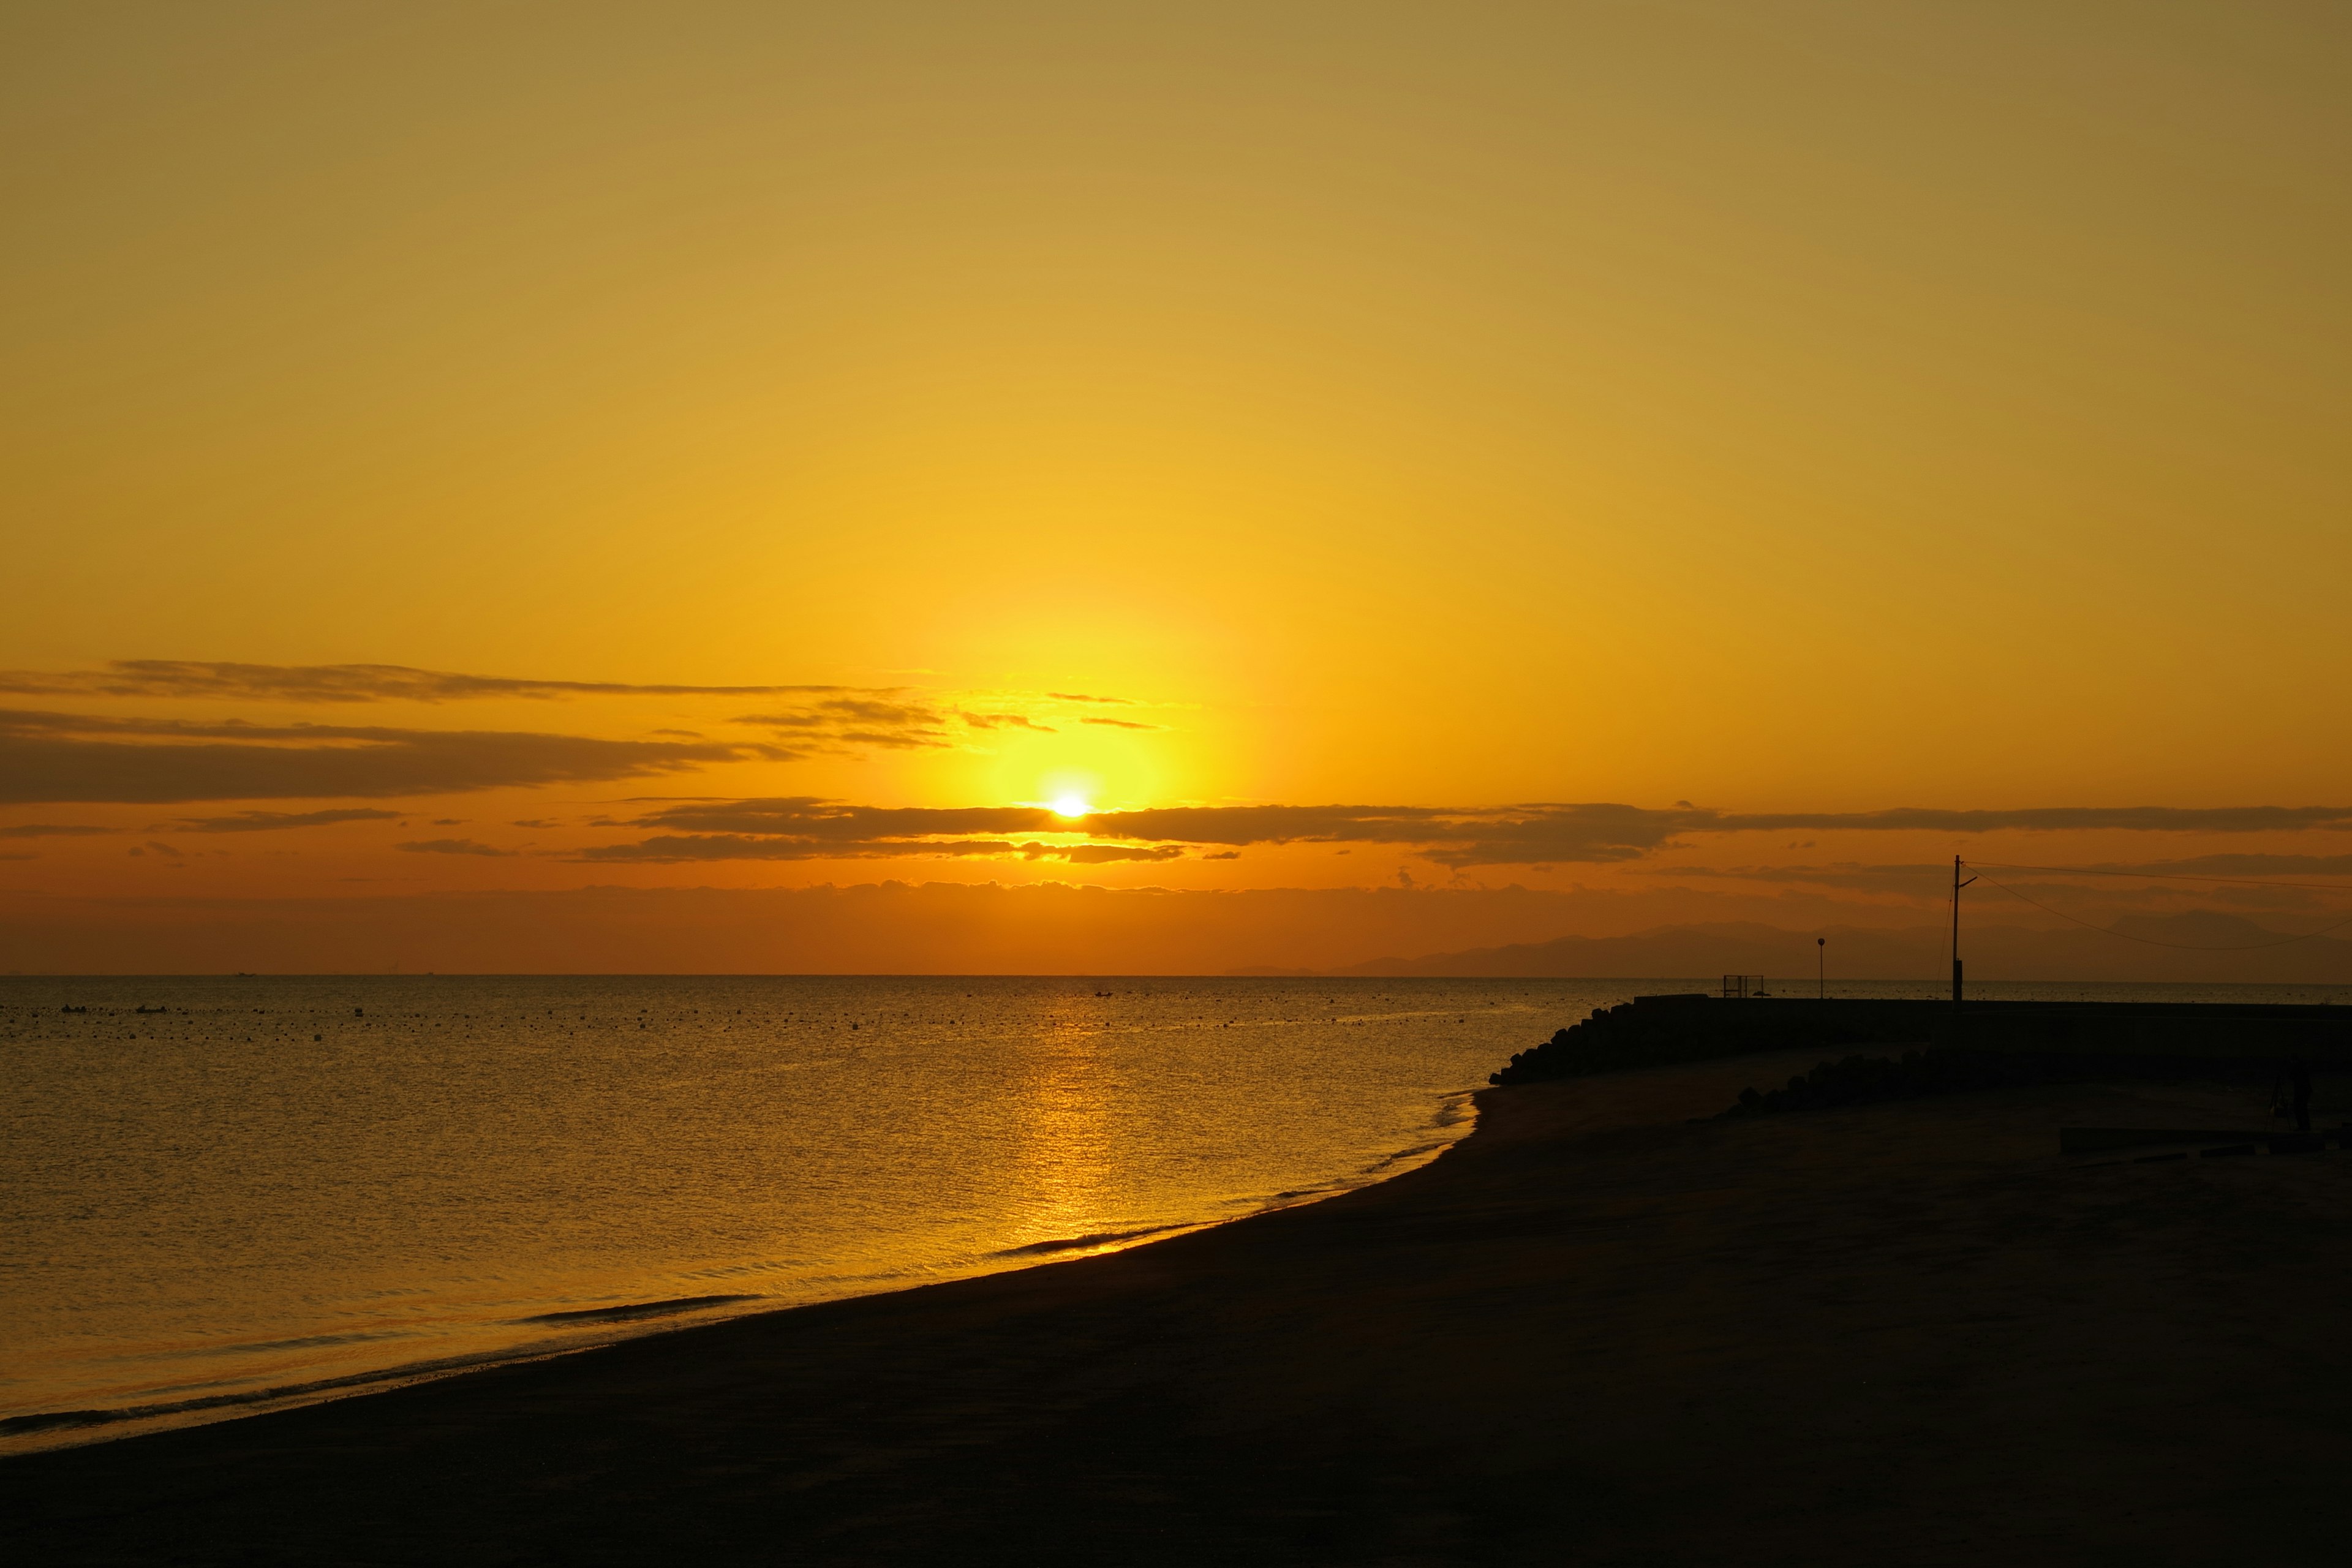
point(2135, 1039)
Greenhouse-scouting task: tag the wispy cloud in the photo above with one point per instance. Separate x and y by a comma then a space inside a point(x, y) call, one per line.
point(805, 827)
point(883, 719)
point(338, 683)
point(810, 716)
point(1530, 835)
point(676, 848)
point(2106, 873)
point(2044, 819)
point(272, 821)
point(1602, 832)
point(1118, 723)
point(2197, 865)
point(50, 830)
point(48, 757)
point(1101, 853)
point(1003, 722)
point(1856, 876)
point(449, 846)
point(819, 820)
point(896, 720)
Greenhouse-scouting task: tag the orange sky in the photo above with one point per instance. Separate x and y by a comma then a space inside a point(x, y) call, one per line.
point(1798, 411)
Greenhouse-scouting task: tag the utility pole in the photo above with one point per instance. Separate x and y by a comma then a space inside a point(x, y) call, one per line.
point(1957, 886)
point(1822, 968)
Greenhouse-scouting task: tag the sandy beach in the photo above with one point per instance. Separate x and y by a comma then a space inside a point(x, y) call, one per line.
point(1598, 1331)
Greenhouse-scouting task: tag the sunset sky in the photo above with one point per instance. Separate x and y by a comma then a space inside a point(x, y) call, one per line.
point(1700, 460)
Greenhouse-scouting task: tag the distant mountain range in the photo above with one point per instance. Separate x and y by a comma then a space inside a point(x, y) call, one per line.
point(2185, 947)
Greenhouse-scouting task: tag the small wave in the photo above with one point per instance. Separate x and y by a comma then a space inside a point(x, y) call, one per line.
point(1385, 1160)
point(56, 1420)
point(1070, 1244)
point(310, 1341)
point(634, 1311)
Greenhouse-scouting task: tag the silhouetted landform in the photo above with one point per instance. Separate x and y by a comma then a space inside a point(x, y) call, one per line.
point(2060, 1041)
point(1607, 1327)
point(2212, 948)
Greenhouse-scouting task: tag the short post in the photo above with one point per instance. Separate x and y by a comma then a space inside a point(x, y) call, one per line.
point(1821, 969)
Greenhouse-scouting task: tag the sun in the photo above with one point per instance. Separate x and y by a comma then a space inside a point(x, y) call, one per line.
point(1071, 806)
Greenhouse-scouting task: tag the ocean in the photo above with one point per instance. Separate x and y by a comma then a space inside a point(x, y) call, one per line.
point(221, 1195)
point(265, 1190)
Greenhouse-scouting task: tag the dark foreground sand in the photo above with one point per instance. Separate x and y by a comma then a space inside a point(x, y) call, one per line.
point(1593, 1334)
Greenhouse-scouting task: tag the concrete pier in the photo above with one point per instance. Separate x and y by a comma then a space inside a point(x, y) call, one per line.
point(2140, 1039)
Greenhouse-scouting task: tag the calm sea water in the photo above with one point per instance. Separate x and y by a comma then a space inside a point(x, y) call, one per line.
point(263, 1190)
point(272, 1183)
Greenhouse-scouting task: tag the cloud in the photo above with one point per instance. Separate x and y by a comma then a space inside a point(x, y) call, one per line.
point(1101, 853)
point(1854, 875)
point(673, 849)
point(892, 719)
point(813, 818)
point(50, 830)
point(1533, 835)
point(60, 757)
point(1118, 723)
point(271, 821)
point(163, 849)
point(1005, 721)
point(337, 683)
point(1860, 875)
point(2045, 819)
point(873, 718)
point(816, 716)
point(2228, 866)
point(805, 827)
point(448, 846)
point(1601, 832)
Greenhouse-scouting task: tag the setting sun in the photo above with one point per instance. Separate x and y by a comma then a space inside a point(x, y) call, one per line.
point(678, 665)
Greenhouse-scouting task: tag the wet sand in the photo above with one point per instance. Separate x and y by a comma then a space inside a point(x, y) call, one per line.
point(1595, 1331)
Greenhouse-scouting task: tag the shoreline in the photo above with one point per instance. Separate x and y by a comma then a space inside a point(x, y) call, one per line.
point(42, 1431)
point(1911, 1331)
